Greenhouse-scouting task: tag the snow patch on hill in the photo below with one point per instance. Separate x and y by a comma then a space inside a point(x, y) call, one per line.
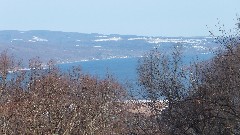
point(154, 40)
point(173, 40)
point(37, 39)
point(108, 39)
point(16, 39)
point(140, 38)
point(97, 46)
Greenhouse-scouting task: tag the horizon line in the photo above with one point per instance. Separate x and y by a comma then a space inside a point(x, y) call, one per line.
point(99, 33)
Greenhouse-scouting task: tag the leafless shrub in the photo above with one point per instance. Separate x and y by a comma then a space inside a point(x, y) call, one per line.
point(46, 101)
point(208, 104)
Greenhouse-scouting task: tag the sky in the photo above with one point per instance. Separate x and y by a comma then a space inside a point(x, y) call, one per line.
point(127, 17)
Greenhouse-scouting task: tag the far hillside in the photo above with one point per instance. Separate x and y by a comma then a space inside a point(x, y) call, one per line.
point(65, 47)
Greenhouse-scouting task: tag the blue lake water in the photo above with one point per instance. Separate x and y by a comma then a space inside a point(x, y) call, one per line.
point(123, 69)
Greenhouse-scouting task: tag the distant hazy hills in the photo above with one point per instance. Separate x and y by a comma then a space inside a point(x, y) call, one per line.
point(72, 47)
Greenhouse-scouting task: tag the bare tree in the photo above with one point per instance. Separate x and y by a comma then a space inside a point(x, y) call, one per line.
point(7, 64)
point(47, 101)
point(201, 100)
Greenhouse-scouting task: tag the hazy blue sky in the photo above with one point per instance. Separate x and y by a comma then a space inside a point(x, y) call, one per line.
point(138, 17)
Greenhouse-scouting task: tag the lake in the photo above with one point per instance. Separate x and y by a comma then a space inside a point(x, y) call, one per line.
point(123, 69)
